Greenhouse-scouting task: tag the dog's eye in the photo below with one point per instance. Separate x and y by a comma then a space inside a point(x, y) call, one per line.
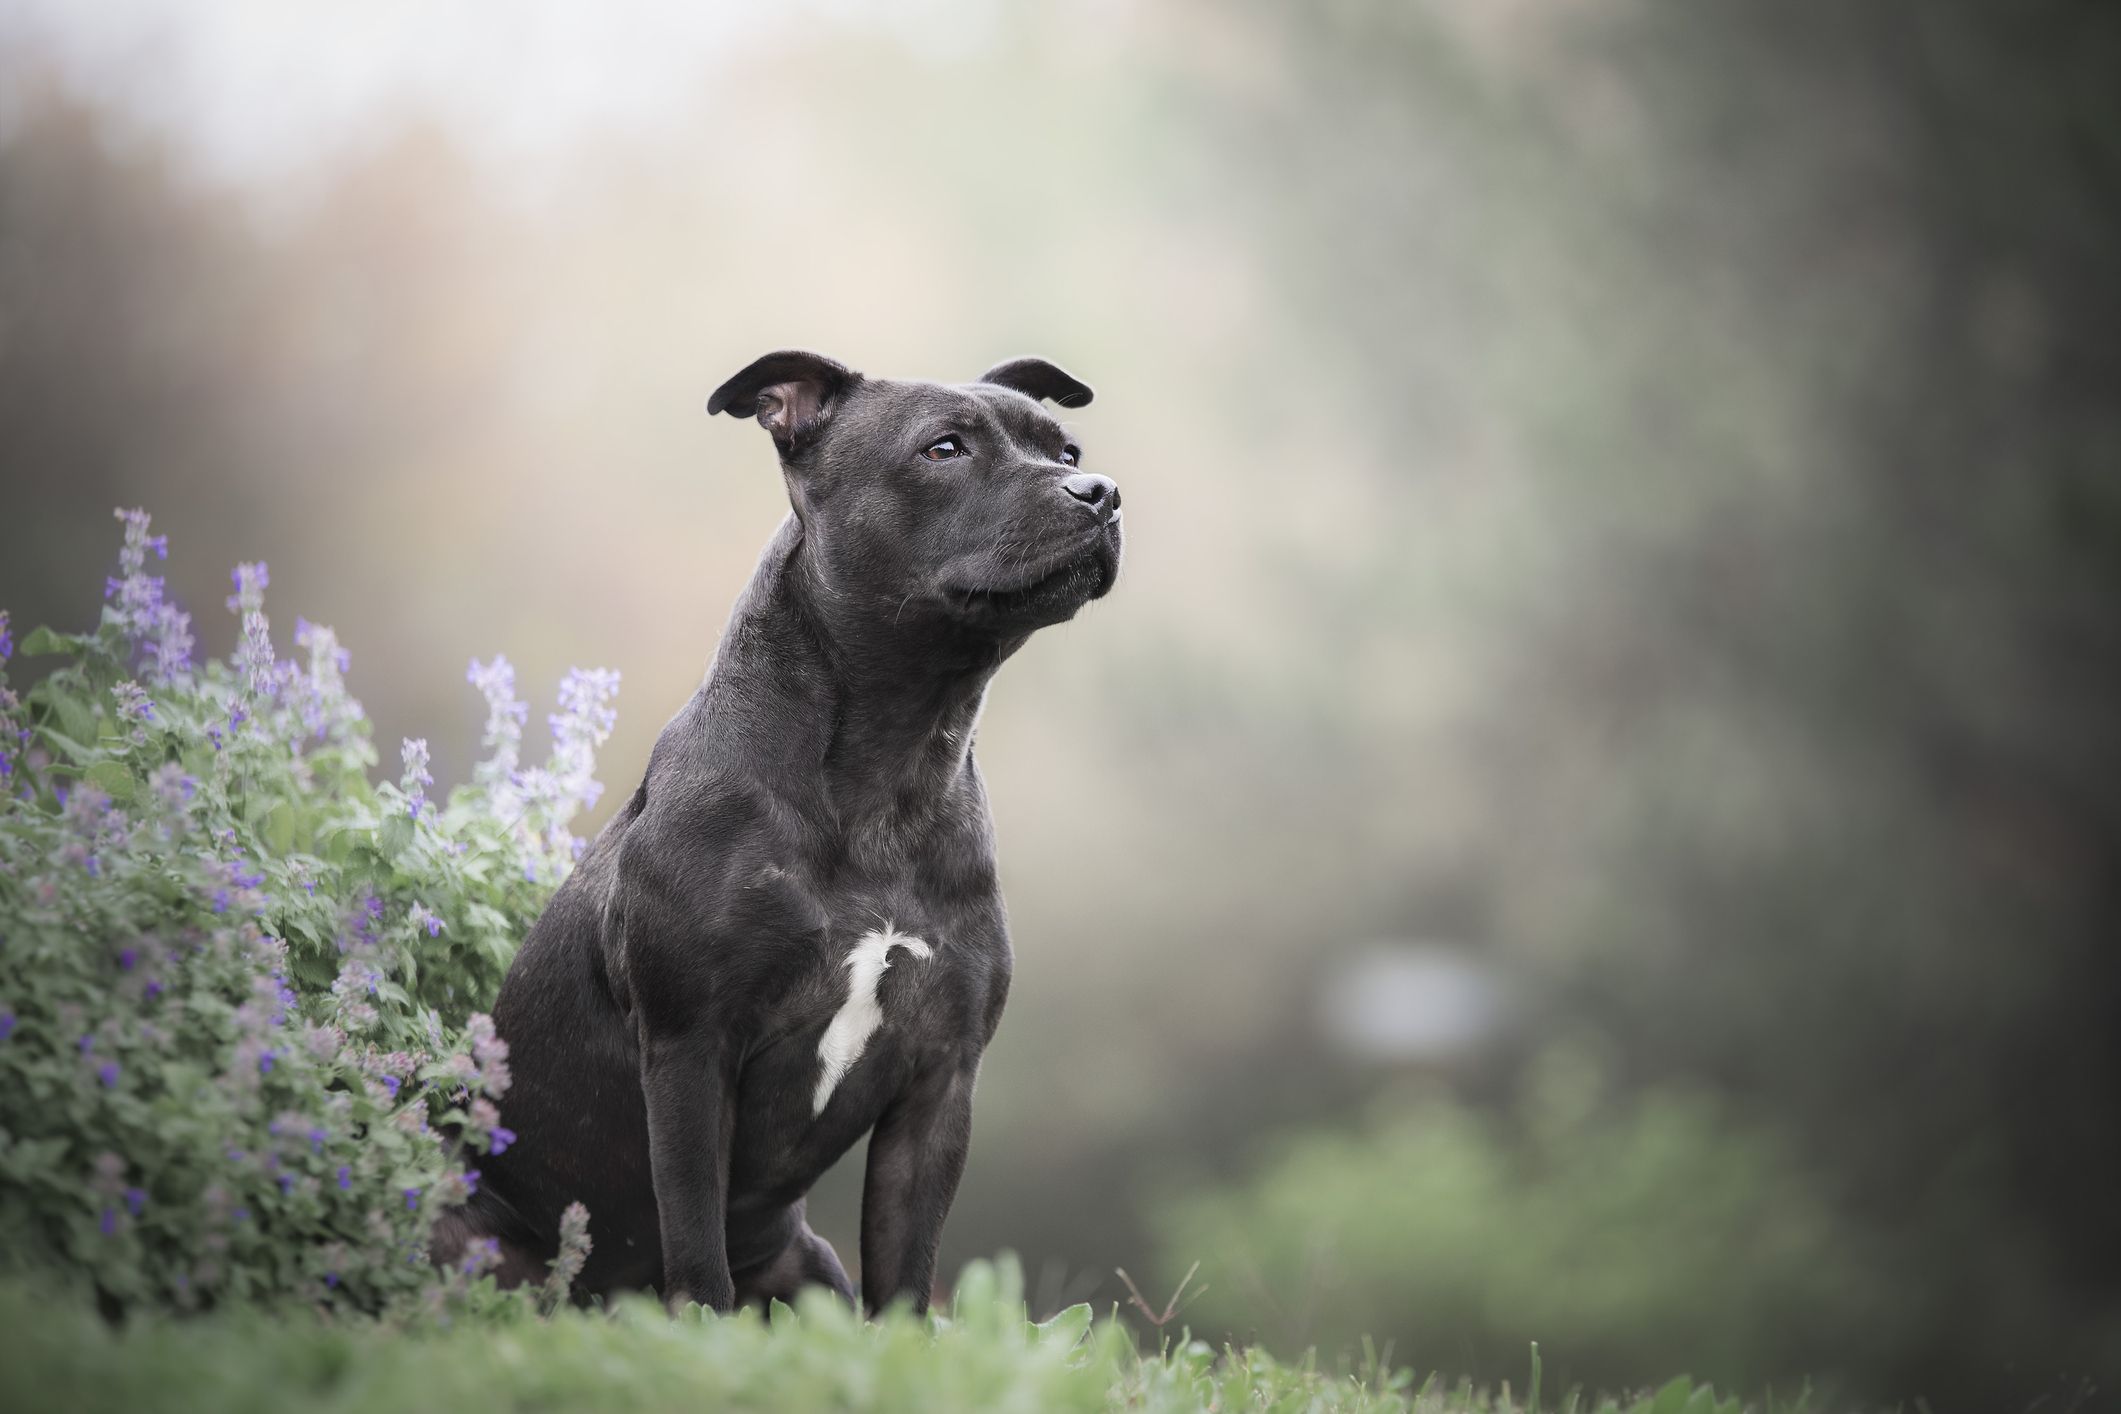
point(944, 450)
point(1071, 454)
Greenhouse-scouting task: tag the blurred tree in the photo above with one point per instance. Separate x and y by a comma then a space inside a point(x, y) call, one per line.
point(1809, 329)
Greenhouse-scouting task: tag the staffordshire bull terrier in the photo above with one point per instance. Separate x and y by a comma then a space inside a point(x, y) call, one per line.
point(792, 936)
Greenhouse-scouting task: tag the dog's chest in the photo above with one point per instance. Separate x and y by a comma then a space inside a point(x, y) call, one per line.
point(884, 967)
point(851, 1028)
point(877, 1003)
point(888, 980)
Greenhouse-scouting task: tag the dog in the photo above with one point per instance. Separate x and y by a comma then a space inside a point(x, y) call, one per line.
point(792, 934)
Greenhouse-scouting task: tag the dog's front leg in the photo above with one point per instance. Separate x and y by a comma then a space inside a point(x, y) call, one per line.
point(690, 1087)
point(916, 1156)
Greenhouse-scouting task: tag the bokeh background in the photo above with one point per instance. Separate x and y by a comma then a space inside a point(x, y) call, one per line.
point(1590, 815)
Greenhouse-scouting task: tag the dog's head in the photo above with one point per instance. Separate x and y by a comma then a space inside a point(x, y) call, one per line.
point(966, 502)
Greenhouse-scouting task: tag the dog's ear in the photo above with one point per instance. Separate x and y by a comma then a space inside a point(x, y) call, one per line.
point(1037, 378)
point(792, 393)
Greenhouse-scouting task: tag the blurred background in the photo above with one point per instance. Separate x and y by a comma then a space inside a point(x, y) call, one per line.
point(1600, 826)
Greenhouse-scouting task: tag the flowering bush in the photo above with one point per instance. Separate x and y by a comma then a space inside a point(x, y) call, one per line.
point(239, 1051)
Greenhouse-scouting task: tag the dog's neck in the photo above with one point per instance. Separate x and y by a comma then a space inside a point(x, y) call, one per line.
point(882, 705)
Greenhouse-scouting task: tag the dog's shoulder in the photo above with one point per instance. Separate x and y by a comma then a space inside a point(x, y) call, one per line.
point(698, 879)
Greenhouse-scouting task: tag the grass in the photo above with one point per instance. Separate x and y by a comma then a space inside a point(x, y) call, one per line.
point(985, 1357)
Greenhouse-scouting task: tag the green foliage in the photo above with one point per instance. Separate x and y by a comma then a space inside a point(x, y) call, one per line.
point(986, 1356)
point(238, 1053)
point(1627, 1238)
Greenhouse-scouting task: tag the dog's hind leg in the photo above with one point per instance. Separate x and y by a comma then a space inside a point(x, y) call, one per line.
point(807, 1260)
point(457, 1230)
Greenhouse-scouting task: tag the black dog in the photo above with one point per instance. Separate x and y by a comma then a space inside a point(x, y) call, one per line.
point(792, 934)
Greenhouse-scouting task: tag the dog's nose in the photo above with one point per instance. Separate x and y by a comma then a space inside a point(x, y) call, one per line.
point(1099, 493)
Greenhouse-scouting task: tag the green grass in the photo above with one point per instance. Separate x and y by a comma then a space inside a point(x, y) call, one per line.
point(56, 1354)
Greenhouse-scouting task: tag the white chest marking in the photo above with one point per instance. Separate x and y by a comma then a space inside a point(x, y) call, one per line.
point(854, 1023)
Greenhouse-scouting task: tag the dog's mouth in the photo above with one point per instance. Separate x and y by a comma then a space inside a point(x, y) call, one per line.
point(1085, 575)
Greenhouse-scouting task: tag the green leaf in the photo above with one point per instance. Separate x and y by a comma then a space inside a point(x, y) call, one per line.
point(278, 826)
point(1673, 1398)
point(76, 716)
point(481, 915)
point(394, 836)
point(338, 845)
point(42, 642)
point(113, 778)
point(66, 746)
point(1066, 1327)
point(314, 970)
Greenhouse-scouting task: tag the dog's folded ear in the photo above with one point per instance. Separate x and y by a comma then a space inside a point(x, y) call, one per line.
point(791, 392)
point(1035, 377)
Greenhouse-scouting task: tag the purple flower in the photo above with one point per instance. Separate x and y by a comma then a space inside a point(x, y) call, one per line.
point(575, 1245)
point(157, 629)
point(7, 639)
point(88, 1043)
point(239, 1215)
point(567, 782)
point(171, 645)
point(133, 702)
point(220, 900)
point(345, 1177)
point(502, 1138)
point(324, 642)
point(108, 1074)
point(153, 988)
point(128, 959)
point(319, 692)
point(287, 1183)
point(331, 1278)
point(482, 1256)
point(109, 1224)
point(136, 1200)
point(391, 1083)
point(250, 580)
point(136, 592)
point(7, 1024)
point(496, 682)
point(412, 1199)
point(417, 777)
point(254, 655)
point(316, 1141)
